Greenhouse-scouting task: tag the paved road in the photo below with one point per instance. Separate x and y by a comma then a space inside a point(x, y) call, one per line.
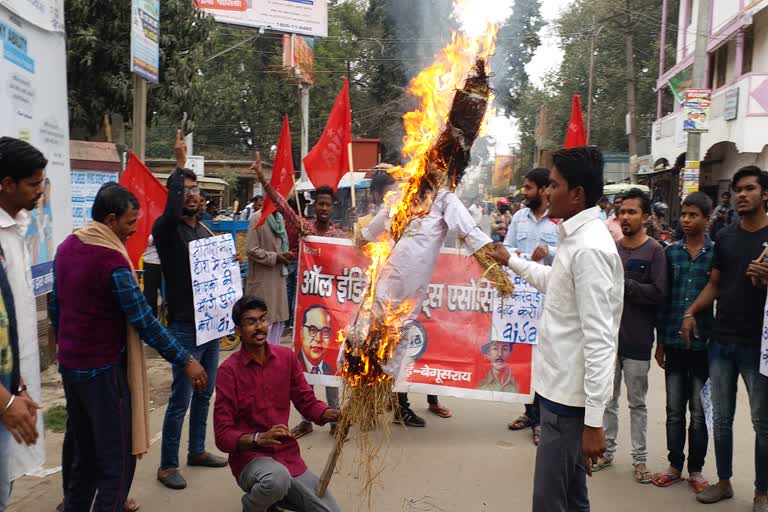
point(470, 462)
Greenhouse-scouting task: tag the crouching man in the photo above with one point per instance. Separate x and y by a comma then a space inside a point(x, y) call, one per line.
point(254, 391)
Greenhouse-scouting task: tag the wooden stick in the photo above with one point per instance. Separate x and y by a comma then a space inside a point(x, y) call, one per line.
point(352, 187)
point(296, 196)
point(330, 464)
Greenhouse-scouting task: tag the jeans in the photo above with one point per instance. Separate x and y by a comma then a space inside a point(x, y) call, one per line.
point(726, 362)
point(99, 440)
point(5, 456)
point(403, 403)
point(560, 478)
point(686, 372)
point(181, 393)
point(533, 411)
point(266, 482)
point(636, 379)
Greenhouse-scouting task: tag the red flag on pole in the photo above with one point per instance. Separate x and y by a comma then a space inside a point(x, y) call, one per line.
point(576, 134)
point(327, 162)
point(152, 196)
point(282, 171)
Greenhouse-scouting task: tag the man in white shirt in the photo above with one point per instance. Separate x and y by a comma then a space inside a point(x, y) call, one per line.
point(476, 210)
point(575, 357)
point(21, 186)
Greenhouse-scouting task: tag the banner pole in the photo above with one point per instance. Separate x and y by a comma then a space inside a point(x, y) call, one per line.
point(296, 196)
point(353, 196)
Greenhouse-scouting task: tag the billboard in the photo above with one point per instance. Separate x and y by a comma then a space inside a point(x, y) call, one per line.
point(307, 17)
point(145, 39)
point(46, 14)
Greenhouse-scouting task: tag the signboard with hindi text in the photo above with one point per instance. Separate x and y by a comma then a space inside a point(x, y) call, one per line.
point(516, 318)
point(216, 286)
point(450, 351)
point(145, 39)
point(308, 17)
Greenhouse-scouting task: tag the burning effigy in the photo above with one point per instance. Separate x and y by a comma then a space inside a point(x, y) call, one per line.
point(403, 241)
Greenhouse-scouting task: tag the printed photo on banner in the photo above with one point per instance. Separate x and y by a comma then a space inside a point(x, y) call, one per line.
point(449, 349)
point(216, 285)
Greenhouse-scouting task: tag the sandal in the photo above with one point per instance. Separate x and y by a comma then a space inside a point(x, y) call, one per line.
point(520, 423)
point(666, 479)
point(697, 483)
point(536, 435)
point(601, 464)
point(440, 410)
point(642, 475)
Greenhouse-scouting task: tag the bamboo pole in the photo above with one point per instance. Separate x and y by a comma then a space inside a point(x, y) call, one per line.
point(298, 203)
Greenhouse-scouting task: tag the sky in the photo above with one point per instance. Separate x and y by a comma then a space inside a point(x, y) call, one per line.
point(547, 58)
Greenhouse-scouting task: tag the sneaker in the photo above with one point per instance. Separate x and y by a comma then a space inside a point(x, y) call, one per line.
point(302, 429)
point(409, 418)
point(714, 493)
point(760, 504)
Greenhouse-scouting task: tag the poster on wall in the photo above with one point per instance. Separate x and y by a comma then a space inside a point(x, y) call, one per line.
point(308, 17)
point(689, 178)
point(450, 351)
point(696, 110)
point(33, 107)
point(85, 185)
point(145, 39)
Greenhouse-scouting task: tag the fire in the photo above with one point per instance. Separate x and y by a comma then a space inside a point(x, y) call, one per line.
point(379, 324)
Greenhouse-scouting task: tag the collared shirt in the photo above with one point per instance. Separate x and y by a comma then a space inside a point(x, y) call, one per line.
point(575, 357)
point(508, 384)
point(687, 277)
point(252, 398)
point(294, 225)
point(17, 264)
point(137, 311)
point(526, 234)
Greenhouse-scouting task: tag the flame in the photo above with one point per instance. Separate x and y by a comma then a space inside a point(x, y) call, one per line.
point(435, 88)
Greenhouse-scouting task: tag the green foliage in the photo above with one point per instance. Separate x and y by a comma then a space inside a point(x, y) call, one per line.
point(98, 60)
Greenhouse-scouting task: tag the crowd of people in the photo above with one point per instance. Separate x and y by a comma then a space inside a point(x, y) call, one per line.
point(617, 280)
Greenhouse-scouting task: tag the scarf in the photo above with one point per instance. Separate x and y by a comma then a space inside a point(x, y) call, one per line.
point(277, 225)
point(98, 234)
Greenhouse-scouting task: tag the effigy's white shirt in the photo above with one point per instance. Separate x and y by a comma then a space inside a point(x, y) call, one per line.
point(408, 271)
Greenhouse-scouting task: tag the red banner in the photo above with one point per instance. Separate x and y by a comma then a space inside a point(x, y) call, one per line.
point(449, 347)
point(151, 195)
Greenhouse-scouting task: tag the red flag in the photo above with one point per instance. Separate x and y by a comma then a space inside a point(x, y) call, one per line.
point(152, 196)
point(282, 171)
point(576, 134)
point(327, 163)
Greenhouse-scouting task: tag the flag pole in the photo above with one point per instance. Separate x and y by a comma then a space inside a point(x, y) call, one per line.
point(296, 196)
point(353, 196)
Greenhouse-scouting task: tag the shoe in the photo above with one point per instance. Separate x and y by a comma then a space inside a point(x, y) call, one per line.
point(207, 460)
point(409, 418)
point(714, 493)
point(172, 479)
point(440, 410)
point(302, 429)
point(760, 504)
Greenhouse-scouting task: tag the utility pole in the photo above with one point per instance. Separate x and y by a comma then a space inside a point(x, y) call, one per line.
point(304, 102)
point(629, 48)
point(699, 75)
point(139, 131)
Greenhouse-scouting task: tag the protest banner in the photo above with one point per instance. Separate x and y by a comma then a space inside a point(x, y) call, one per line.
point(516, 318)
point(449, 347)
point(216, 285)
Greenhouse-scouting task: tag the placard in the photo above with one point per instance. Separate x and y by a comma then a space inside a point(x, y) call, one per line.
point(216, 285)
point(516, 318)
point(450, 351)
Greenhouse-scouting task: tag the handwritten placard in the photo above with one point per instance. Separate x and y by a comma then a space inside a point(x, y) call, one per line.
point(516, 318)
point(216, 285)
point(764, 343)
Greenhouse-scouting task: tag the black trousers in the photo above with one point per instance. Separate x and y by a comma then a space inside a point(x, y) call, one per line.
point(153, 282)
point(97, 448)
point(560, 478)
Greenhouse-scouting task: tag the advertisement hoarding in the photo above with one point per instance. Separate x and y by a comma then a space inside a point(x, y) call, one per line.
point(307, 17)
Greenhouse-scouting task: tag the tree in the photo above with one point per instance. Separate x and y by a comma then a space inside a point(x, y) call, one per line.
point(98, 60)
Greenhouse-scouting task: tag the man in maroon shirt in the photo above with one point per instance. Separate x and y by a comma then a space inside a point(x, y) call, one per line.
point(254, 391)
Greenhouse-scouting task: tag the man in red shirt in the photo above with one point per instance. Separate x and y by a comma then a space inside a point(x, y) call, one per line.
point(254, 391)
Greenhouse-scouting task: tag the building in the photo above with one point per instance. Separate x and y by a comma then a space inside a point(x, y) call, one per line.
point(737, 73)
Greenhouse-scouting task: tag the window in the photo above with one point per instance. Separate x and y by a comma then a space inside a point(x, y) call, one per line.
point(718, 65)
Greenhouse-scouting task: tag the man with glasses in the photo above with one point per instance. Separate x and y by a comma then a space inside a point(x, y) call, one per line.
point(316, 334)
point(173, 232)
